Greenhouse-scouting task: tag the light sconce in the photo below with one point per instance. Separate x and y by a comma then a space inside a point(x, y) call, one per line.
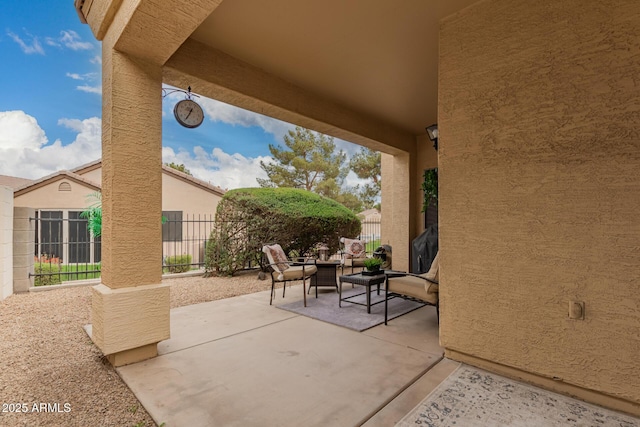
point(432, 131)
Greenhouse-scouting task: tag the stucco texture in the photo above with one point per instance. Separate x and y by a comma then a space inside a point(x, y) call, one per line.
point(539, 203)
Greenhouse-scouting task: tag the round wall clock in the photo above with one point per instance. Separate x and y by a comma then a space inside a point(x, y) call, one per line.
point(188, 113)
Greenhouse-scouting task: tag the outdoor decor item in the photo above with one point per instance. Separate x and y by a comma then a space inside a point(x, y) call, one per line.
point(187, 111)
point(372, 264)
point(323, 252)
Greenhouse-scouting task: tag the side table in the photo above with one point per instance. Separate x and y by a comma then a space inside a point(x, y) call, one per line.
point(326, 275)
point(362, 280)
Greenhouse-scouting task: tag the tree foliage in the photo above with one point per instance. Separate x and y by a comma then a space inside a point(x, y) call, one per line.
point(93, 214)
point(366, 165)
point(297, 219)
point(179, 167)
point(430, 188)
point(310, 161)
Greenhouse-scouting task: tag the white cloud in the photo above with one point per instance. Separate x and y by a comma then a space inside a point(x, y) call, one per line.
point(219, 168)
point(33, 47)
point(90, 89)
point(25, 152)
point(75, 76)
point(96, 60)
point(72, 40)
point(19, 130)
point(219, 111)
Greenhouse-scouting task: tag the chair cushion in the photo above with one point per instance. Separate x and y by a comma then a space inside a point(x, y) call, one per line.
point(414, 287)
point(295, 273)
point(354, 248)
point(434, 271)
point(354, 262)
point(277, 257)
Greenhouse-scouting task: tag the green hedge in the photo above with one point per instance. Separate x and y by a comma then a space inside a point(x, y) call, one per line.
point(46, 268)
point(298, 220)
point(178, 263)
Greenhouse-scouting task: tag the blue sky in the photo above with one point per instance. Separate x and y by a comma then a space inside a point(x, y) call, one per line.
point(50, 106)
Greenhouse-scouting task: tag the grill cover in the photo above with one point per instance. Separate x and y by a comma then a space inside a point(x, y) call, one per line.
point(424, 250)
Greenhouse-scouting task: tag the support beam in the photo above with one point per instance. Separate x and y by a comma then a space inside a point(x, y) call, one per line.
point(216, 75)
point(148, 29)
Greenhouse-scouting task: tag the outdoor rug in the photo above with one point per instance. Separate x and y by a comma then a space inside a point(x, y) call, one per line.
point(351, 316)
point(473, 397)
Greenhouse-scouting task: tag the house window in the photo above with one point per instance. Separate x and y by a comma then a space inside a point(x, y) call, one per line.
point(172, 227)
point(64, 237)
point(49, 235)
point(64, 186)
point(79, 239)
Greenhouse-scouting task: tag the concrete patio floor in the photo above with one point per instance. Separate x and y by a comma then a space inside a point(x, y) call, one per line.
point(241, 362)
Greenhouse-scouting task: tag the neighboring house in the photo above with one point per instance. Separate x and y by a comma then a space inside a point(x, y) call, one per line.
point(186, 203)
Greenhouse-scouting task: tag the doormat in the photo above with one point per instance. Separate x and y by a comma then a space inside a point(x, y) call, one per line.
point(473, 397)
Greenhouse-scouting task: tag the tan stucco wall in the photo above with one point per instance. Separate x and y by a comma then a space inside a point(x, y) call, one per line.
point(24, 237)
point(94, 175)
point(539, 189)
point(48, 196)
point(6, 242)
point(178, 195)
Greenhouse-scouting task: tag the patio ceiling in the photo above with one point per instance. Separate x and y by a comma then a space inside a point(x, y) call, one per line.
point(378, 57)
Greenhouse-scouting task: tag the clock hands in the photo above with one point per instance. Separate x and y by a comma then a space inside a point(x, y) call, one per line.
point(187, 116)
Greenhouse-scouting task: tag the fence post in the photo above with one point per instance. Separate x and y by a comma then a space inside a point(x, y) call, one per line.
point(24, 239)
point(6, 242)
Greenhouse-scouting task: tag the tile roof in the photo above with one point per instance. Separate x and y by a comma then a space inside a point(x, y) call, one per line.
point(22, 185)
point(13, 181)
point(32, 185)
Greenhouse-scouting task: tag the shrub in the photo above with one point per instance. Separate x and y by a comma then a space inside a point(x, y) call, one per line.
point(178, 263)
point(372, 264)
point(42, 267)
point(248, 218)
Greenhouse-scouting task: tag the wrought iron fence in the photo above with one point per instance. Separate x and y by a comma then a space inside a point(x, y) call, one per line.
point(370, 234)
point(184, 241)
point(65, 250)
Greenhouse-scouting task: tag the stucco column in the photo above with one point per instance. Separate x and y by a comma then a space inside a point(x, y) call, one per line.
point(6, 242)
point(131, 306)
point(24, 235)
point(398, 213)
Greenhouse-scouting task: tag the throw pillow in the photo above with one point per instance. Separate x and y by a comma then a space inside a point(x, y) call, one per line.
point(354, 248)
point(278, 257)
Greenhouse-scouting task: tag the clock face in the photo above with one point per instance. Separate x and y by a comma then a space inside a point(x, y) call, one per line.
point(188, 113)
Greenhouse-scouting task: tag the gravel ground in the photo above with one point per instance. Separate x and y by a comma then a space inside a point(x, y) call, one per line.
point(51, 371)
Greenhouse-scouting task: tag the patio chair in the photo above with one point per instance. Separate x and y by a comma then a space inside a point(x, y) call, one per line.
point(417, 287)
point(284, 270)
point(353, 252)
